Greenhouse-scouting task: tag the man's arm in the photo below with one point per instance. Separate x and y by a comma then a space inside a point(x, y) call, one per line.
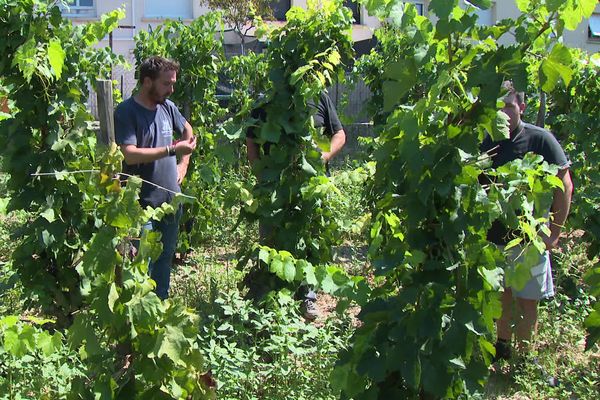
point(560, 208)
point(140, 155)
point(187, 136)
point(136, 155)
point(337, 142)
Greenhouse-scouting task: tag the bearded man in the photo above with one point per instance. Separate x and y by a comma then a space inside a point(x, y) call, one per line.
point(144, 127)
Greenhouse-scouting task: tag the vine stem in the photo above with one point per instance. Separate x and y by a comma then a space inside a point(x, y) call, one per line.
point(450, 50)
point(543, 29)
point(85, 171)
point(81, 171)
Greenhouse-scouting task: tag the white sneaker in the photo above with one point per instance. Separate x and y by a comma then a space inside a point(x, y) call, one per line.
point(309, 309)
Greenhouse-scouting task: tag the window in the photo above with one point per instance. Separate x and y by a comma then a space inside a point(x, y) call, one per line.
point(355, 8)
point(79, 8)
point(419, 6)
point(594, 27)
point(280, 8)
point(168, 9)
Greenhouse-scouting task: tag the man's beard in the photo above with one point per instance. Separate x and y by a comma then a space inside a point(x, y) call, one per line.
point(156, 97)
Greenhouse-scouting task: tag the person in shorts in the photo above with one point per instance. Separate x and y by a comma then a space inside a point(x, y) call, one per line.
point(525, 138)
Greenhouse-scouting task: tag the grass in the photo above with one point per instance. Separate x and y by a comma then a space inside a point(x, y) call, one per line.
point(257, 353)
point(560, 343)
point(11, 298)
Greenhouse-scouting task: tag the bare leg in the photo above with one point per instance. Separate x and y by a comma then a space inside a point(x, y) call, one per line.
point(503, 325)
point(527, 323)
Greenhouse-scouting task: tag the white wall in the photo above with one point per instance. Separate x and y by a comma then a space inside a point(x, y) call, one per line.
point(123, 42)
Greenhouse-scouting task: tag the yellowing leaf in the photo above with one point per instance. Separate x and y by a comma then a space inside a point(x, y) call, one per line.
point(573, 12)
point(513, 243)
point(289, 270)
point(115, 186)
point(523, 5)
point(113, 296)
point(48, 215)
point(56, 57)
point(334, 58)
point(555, 67)
point(555, 181)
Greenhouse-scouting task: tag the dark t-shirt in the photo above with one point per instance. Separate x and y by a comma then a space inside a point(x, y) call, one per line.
point(135, 124)
point(325, 116)
point(524, 139)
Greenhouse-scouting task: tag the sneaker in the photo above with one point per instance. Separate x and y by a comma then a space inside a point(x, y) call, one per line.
point(309, 309)
point(548, 378)
point(502, 351)
point(526, 363)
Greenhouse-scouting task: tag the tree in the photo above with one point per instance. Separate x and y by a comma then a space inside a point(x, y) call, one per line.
point(241, 16)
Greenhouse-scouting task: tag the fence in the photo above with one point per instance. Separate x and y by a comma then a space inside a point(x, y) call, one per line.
point(349, 101)
point(125, 82)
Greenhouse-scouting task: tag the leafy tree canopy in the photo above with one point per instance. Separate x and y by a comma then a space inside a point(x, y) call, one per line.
point(240, 15)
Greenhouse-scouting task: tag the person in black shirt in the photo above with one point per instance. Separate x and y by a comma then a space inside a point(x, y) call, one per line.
point(525, 138)
point(325, 118)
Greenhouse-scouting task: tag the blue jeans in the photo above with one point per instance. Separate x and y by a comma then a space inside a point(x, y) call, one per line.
point(160, 270)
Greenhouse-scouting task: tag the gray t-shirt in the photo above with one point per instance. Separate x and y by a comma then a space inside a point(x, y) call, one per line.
point(135, 124)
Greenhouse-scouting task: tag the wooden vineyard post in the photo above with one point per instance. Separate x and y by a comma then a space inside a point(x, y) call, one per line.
point(105, 111)
point(106, 134)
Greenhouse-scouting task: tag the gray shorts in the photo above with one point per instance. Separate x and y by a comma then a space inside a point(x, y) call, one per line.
point(541, 285)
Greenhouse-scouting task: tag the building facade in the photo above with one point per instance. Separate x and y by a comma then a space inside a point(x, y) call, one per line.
point(147, 14)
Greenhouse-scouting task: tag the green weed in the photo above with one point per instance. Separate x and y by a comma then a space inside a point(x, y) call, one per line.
point(270, 352)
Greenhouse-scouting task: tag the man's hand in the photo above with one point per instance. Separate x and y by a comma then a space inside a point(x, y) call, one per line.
point(185, 147)
point(337, 142)
point(560, 208)
point(551, 241)
point(326, 156)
